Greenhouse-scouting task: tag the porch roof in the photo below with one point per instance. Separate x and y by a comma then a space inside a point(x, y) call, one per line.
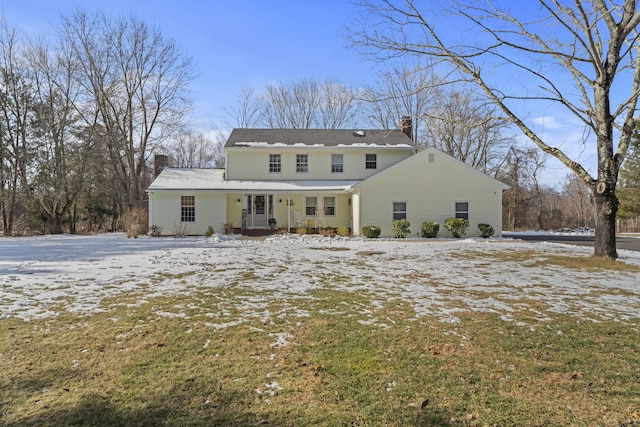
point(172, 179)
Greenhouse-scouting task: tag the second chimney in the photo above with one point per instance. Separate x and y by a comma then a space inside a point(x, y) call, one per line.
point(406, 125)
point(160, 161)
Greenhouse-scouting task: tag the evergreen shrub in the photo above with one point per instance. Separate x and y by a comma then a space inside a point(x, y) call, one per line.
point(457, 226)
point(371, 231)
point(401, 228)
point(486, 230)
point(429, 229)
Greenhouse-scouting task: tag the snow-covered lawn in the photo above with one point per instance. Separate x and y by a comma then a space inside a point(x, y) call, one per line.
point(41, 275)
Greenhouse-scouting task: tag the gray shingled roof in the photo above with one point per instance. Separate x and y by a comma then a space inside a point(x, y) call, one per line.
point(326, 137)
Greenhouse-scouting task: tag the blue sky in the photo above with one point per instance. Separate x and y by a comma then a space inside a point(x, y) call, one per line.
point(250, 43)
point(234, 44)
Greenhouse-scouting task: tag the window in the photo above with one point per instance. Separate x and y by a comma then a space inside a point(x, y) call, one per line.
point(462, 210)
point(337, 164)
point(302, 163)
point(275, 163)
point(371, 161)
point(330, 206)
point(399, 210)
point(187, 208)
point(310, 206)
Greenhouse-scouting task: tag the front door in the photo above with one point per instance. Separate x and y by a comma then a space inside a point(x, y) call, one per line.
point(258, 210)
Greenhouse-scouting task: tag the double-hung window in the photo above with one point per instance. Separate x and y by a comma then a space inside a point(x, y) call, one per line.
point(330, 206)
point(462, 210)
point(371, 161)
point(187, 208)
point(275, 163)
point(399, 210)
point(310, 203)
point(302, 163)
point(337, 163)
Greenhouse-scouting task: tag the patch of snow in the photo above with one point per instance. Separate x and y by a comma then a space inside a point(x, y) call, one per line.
point(435, 277)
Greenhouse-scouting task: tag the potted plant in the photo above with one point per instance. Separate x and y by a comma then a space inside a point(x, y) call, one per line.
point(272, 223)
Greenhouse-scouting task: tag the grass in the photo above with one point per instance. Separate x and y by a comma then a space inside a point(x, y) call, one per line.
point(331, 358)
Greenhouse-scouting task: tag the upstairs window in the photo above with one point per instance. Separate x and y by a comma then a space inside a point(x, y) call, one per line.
point(371, 161)
point(275, 163)
point(462, 210)
point(187, 208)
point(337, 164)
point(302, 163)
point(399, 210)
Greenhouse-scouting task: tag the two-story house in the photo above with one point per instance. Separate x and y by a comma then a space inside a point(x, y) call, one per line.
point(317, 178)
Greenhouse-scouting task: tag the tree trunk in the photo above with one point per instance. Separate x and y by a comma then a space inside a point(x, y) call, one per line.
point(606, 208)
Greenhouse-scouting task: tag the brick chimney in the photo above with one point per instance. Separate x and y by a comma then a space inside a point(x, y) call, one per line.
point(160, 161)
point(406, 125)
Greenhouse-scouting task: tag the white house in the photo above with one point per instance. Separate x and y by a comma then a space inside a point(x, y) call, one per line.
point(324, 178)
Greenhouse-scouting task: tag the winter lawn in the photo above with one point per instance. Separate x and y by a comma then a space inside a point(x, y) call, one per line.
point(105, 330)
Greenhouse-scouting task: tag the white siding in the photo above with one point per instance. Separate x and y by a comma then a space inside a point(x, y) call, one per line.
point(165, 211)
point(253, 163)
point(431, 190)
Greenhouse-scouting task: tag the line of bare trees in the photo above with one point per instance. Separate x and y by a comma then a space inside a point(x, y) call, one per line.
point(80, 115)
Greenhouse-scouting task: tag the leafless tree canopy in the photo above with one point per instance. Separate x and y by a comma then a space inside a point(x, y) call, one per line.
point(303, 104)
point(582, 56)
point(401, 91)
point(134, 81)
point(195, 150)
point(81, 114)
point(467, 127)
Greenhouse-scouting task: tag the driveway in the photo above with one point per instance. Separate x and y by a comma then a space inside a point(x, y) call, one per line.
point(622, 242)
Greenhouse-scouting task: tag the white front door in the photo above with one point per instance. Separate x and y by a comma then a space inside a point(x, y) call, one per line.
point(258, 210)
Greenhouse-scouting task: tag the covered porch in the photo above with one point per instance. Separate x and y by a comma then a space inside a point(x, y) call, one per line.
point(289, 205)
point(312, 210)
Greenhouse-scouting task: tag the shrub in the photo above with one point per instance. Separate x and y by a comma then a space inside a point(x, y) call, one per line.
point(430, 229)
point(134, 222)
point(343, 231)
point(486, 230)
point(371, 231)
point(227, 228)
point(401, 228)
point(210, 232)
point(457, 226)
point(156, 231)
point(328, 232)
point(301, 231)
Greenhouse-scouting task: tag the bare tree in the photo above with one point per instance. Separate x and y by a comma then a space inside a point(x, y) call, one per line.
point(16, 111)
point(466, 127)
point(401, 91)
point(593, 44)
point(338, 105)
point(58, 167)
point(520, 169)
point(576, 202)
point(246, 113)
point(303, 104)
point(292, 107)
point(135, 82)
point(194, 150)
